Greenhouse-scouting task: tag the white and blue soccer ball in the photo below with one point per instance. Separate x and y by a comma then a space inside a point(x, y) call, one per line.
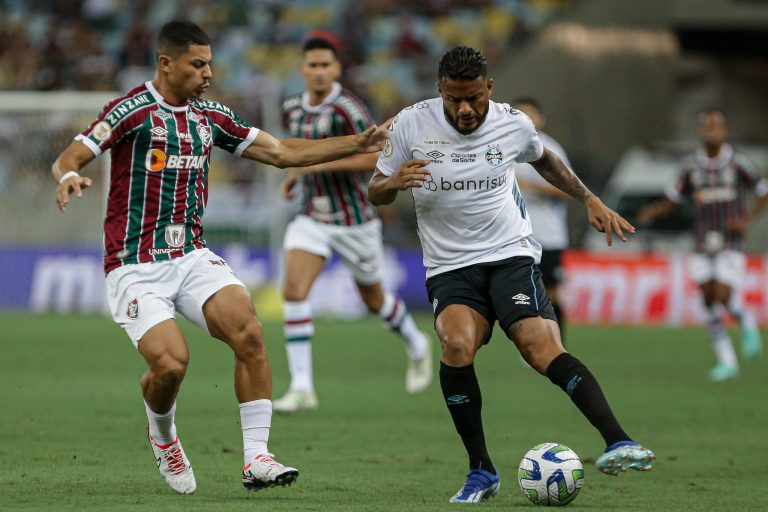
point(550, 474)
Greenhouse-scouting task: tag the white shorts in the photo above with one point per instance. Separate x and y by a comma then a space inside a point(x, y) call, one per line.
point(727, 267)
point(360, 247)
point(141, 296)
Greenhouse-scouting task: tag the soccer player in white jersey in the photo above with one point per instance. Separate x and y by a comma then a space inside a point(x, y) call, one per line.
point(719, 180)
point(335, 216)
point(547, 209)
point(161, 135)
point(456, 154)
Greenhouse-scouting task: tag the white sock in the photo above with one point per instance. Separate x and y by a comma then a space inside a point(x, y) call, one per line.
point(721, 342)
point(255, 420)
point(745, 317)
point(162, 427)
point(396, 317)
point(298, 331)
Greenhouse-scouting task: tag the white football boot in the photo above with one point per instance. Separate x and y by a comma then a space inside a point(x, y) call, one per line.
point(418, 376)
point(295, 400)
point(174, 466)
point(263, 471)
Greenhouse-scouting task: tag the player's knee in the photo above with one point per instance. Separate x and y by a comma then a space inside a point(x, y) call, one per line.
point(171, 369)
point(295, 293)
point(248, 341)
point(457, 349)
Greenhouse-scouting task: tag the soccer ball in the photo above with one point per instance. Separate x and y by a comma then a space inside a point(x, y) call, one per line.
point(550, 474)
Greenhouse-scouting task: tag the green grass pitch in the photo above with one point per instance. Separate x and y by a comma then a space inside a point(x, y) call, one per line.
point(72, 424)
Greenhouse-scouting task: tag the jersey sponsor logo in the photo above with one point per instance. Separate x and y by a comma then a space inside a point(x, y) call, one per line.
point(175, 235)
point(387, 148)
point(124, 253)
point(194, 117)
point(159, 133)
point(205, 134)
point(493, 155)
point(463, 157)
point(445, 185)
point(715, 195)
point(420, 105)
point(522, 298)
point(435, 155)
point(133, 309)
point(102, 131)
point(162, 114)
point(157, 160)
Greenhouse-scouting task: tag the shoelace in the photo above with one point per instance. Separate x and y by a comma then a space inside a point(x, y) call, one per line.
point(174, 458)
point(267, 458)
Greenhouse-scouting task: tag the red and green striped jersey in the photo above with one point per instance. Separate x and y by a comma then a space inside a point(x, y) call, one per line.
point(719, 188)
point(159, 171)
point(339, 198)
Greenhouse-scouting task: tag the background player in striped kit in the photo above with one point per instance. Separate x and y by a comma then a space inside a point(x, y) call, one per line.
point(719, 180)
point(548, 209)
point(161, 134)
point(335, 215)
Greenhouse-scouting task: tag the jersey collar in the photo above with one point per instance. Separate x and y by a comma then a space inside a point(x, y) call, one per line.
point(721, 160)
point(335, 92)
point(158, 98)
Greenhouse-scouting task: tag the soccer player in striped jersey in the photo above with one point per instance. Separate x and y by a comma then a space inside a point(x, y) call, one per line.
point(155, 258)
point(335, 215)
point(719, 180)
point(456, 156)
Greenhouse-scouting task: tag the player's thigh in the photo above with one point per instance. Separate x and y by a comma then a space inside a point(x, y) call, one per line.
point(141, 296)
point(164, 348)
point(301, 271)
point(361, 249)
point(730, 268)
point(204, 278)
point(231, 317)
point(517, 291)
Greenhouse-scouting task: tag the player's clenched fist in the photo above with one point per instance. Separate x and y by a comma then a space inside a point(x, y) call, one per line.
point(411, 175)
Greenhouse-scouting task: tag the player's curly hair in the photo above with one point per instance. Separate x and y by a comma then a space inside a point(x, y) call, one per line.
point(175, 36)
point(462, 63)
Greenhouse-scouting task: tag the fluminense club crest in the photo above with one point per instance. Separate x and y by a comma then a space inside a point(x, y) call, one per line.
point(175, 235)
point(493, 155)
point(133, 309)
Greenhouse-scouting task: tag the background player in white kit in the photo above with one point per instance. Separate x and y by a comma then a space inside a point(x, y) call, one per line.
point(161, 135)
point(335, 216)
point(719, 180)
point(456, 154)
point(547, 209)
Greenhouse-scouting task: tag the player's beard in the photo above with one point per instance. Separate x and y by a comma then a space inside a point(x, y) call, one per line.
point(454, 121)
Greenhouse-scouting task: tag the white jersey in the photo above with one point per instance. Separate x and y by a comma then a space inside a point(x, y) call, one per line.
point(471, 210)
point(548, 213)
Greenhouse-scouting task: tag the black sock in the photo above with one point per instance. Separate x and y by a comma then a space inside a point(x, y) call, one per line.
point(560, 320)
point(575, 379)
point(464, 401)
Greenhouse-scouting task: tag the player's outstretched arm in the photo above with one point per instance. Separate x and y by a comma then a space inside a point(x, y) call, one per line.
point(284, 153)
point(383, 189)
point(601, 217)
point(65, 171)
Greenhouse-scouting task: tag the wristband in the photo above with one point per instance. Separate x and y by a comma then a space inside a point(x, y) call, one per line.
point(68, 175)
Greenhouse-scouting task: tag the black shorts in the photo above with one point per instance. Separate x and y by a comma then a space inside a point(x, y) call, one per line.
point(505, 290)
point(551, 266)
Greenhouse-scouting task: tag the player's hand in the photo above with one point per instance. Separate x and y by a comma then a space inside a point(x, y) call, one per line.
point(607, 221)
point(286, 187)
point(738, 226)
point(412, 174)
point(372, 139)
point(73, 184)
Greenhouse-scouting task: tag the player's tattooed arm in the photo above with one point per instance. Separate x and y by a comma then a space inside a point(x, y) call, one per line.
point(602, 218)
point(383, 189)
point(559, 175)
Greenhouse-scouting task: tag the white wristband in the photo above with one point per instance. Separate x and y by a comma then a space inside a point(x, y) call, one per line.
point(68, 175)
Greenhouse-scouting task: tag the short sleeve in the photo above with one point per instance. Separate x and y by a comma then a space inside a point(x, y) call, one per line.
point(397, 148)
point(117, 119)
point(230, 133)
point(353, 114)
point(678, 190)
point(531, 147)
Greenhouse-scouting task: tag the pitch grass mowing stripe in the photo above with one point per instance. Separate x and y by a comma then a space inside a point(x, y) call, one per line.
point(72, 429)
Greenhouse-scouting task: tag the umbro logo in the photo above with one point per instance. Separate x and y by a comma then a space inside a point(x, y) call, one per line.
point(457, 399)
point(435, 154)
point(521, 298)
